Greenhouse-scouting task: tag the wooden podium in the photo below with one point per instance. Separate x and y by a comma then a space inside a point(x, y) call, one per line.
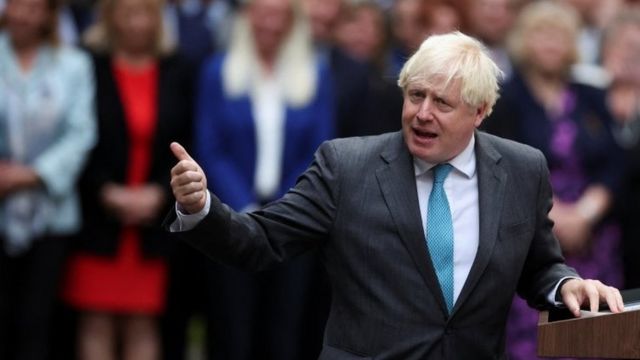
point(600, 335)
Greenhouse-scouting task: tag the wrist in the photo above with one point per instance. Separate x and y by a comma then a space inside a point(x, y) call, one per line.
point(564, 282)
point(25, 178)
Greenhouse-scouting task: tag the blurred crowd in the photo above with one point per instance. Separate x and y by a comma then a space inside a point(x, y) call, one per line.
point(93, 93)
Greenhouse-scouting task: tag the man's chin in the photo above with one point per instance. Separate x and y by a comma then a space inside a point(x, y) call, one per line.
point(424, 155)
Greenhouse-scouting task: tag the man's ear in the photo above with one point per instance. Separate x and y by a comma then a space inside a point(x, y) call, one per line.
point(481, 113)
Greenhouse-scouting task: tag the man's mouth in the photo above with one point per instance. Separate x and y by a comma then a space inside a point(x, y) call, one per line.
point(423, 134)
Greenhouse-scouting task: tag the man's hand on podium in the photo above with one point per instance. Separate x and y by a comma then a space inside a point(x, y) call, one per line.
point(577, 292)
point(188, 182)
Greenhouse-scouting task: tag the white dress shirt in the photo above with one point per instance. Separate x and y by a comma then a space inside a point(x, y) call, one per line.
point(461, 187)
point(268, 108)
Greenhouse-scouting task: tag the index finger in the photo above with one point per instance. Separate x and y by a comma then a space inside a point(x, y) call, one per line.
point(572, 303)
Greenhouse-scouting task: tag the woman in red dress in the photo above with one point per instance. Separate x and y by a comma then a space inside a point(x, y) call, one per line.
point(118, 278)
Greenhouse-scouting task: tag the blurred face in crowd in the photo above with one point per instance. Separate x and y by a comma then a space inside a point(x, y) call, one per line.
point(271, 21)
point(136, 24)
point(490, 20)
point(437, 124)
point(28, 21)
point(621, 54)
point(361, 33)
point(323, 15)
point(443, 18)
point(586, 8)
point(548, 49)
point(408, 23)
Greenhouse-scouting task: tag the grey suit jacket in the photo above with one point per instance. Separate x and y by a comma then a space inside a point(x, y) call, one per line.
point(358, 203)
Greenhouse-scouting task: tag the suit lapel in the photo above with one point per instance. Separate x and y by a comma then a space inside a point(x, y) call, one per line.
point(397, 183)
point(492, 180)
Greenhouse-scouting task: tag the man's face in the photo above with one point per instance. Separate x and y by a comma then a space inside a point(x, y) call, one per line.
point(323, 15)
point(437, 125)
point(491, 20)
point(408, 24)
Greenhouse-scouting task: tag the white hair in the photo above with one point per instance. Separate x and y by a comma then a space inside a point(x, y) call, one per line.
point(455, 56)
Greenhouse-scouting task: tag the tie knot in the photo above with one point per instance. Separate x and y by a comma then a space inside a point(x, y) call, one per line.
point(440, 172)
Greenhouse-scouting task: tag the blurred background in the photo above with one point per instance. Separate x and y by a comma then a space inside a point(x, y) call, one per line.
point(92, 93)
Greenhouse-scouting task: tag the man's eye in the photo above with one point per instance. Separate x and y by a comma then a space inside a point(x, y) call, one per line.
point(416, 96)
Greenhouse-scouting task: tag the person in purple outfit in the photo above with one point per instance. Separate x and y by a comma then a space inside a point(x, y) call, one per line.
point(571, 125)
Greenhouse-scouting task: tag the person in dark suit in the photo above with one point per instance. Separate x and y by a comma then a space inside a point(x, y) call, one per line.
point(349, 77)
point(426, 233)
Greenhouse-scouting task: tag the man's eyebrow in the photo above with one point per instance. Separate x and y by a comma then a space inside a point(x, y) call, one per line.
point(421, 89)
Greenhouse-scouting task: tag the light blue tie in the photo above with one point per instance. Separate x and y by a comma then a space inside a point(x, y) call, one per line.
point(440, 233)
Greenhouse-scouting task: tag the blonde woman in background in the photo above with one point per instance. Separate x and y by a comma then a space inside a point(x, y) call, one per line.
point(263, 107)
point(118, 277)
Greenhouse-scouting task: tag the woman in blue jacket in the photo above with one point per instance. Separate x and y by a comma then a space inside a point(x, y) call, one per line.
point(263, 108)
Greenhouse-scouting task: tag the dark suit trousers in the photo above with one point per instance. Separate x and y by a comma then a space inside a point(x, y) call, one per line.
point(28, 288)
point(186, 297)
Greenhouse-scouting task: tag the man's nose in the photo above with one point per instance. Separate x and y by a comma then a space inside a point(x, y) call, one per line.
point(425, 112)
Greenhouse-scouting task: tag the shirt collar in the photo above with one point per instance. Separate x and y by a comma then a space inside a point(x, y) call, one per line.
point(465, 162)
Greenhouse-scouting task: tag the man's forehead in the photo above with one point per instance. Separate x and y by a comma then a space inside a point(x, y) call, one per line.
point(437, 83)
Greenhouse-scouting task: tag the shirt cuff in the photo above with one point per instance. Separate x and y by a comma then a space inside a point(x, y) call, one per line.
point(186, 222)
point(552, 296)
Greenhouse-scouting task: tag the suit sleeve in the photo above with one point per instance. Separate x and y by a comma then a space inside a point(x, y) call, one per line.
point(544, 265)
point(302, 219)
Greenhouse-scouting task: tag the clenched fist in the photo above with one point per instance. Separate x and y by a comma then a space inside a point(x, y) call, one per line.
point(188, 182)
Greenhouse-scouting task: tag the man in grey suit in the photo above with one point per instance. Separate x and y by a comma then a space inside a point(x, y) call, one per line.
point(426, 234)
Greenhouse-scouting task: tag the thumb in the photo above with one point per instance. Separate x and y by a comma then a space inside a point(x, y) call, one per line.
point(179, 152)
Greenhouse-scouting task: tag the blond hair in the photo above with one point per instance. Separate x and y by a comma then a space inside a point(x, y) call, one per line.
point(543, 14)
point(455, 56)
point(295, 64)
point(100, 37)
